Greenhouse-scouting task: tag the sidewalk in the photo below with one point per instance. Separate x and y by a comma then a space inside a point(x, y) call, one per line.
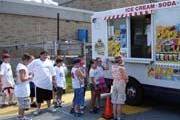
point(11, 111)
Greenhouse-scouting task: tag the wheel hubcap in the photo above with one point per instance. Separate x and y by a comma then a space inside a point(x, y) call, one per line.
point(131, 92)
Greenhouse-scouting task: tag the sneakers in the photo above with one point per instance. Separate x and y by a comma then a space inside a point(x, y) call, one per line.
point(33, 105)
point(76, 114)
point(24, 118)
point(114, 119)
point(72, 111)
point(58, 105)
point(37, 112)
point(51, 109)
point(3, 105)
point(12, 103)
point(94, 111)
point(82, 112)
point(119, 118)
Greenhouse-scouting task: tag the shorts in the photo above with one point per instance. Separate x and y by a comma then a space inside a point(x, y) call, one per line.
point(59, 91)
point(118, 95)
point(95, 89)
point(78, 96)
point(108, 84)
point(32, 89)
point(24, 102)
point(43, 95)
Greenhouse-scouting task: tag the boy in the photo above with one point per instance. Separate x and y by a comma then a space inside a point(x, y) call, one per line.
point(6, 80)
point(22, 88)
point(60, 80)
point(44, 76)
point(77, 84)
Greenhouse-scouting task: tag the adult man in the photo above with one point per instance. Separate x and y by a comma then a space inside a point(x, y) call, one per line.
point(148, 35)
point(44, 76)
point(6, 80)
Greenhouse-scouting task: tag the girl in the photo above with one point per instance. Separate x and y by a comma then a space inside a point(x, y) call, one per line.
point(94, 85)
point(22, 88)
point(120, 79)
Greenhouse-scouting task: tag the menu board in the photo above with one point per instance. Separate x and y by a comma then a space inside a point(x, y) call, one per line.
point(163, 72)
point(117, 38)
point(168, 35)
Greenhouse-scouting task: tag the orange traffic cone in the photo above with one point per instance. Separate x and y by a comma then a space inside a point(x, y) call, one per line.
point(108, 109)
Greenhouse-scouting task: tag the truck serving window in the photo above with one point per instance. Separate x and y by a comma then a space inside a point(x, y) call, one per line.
point(140, 27)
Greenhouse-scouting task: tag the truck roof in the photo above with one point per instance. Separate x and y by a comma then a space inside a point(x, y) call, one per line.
point(135, 10)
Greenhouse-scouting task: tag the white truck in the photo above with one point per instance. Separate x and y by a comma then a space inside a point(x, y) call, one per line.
point(148, 37)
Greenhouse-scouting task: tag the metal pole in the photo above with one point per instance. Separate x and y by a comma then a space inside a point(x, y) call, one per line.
point(58, 37)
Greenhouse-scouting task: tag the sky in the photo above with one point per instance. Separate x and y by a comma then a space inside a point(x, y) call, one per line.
point(50, 2)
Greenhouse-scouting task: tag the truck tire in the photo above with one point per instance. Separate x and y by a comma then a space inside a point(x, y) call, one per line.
point(134, 92)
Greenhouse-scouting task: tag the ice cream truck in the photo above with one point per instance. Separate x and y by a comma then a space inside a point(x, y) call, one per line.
point(148, 38)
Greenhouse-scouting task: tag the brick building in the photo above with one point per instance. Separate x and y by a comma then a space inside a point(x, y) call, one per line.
point(25, 26)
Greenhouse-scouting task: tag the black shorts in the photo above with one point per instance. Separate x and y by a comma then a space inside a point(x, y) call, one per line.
point(94, 87)
point(43, 95)
point(32, 89)
point(108, 83)
point(59, 91)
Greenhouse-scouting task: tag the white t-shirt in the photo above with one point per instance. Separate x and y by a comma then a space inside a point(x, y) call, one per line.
point(148, 33)
point(75, 79)
point(94, 73)
point(60, 77)
point(7, 75)
point(30, 72)
point(83, 70)
point(22, 89)
point(43, 72)
point(100, 71)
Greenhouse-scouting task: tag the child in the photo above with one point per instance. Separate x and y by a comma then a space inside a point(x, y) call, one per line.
point(94, 85)
point(77, 84)
point(120, 79)
point(82, 77)
point(60, 80)
point(22, 88)
point(6, 80)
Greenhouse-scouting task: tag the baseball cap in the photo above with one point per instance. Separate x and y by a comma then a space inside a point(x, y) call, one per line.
point(5, 55)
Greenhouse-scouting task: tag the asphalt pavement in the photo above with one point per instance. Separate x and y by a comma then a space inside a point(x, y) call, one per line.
point(148, 111)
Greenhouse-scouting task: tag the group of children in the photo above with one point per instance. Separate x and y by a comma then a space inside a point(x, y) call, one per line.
point(98, 85)
point(94, 75)
point(45, 79)
point(49, 81)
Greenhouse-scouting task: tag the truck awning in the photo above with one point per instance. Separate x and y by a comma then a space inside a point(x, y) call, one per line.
point(128, 15)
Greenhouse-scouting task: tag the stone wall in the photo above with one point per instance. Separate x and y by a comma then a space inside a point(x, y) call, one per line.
point(20, 29)
point(28, 28)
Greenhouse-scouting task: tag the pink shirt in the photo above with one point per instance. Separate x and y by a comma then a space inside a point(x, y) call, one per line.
point(119, 73)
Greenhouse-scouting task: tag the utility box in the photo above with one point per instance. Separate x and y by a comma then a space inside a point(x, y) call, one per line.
point(82, 34)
